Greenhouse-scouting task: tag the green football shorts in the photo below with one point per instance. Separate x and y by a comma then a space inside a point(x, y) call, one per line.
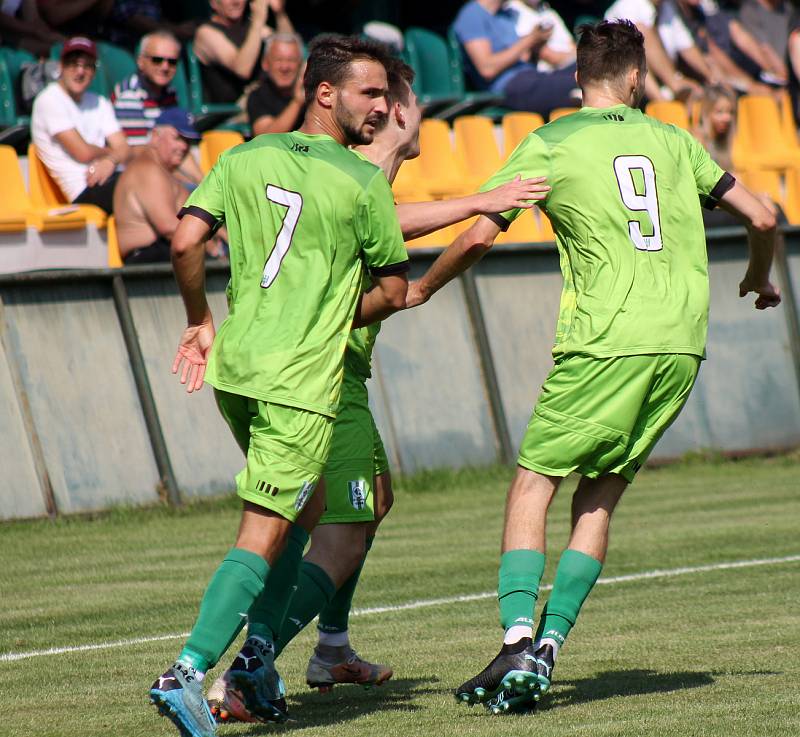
point(286, 449)
point(357, 455)
point(604, 415)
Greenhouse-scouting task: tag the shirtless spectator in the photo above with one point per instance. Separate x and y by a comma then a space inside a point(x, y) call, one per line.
point(76, 17)
point(228, 46)
point(22, 27)
point(149, 195)
point(277, 105)
point(75, 131)
point(140, 99)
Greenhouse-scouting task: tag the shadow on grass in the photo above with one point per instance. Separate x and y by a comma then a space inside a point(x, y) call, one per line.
point(610, 684)
point(344, 703)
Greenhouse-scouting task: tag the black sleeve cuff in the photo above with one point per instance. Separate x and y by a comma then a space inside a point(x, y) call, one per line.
point(724, 185)
point(199, 212)
point(498, 220)
point(391, 269)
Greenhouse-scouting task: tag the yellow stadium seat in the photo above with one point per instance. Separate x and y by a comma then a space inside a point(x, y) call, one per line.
point(444, 173)
point(525, 229)
point(476, 145)
point(441, 237)
point(764, 182)
point(114, 258)
point(560, 112)
point(791, 202)
point(409, 184)
point(213, 144)
point(669, 111)
point(518, 125)
point(788, 123)
point(45, 192)
point(695, 113)
point(763, 144)
point(545, 227)
point(17, 212)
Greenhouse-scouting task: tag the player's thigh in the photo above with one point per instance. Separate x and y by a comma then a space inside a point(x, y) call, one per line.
point(672, 383)
point(585, 414)
point(381, 477)
point(287, 453)
point(350, 467)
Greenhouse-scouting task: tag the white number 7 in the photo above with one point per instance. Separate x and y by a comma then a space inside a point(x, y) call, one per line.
point(647, 202)
point(283, 241)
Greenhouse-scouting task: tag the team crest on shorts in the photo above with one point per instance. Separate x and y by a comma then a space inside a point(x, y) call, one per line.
point(305, 493)
point(358, 494)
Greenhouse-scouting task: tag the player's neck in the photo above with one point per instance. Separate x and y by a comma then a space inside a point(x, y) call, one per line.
point(385, 154)
point(602, 97)
point(317, 123)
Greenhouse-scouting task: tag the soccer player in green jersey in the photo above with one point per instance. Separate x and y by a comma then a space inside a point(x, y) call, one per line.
point(358, 491)
point(304, 215)
point(625, 206)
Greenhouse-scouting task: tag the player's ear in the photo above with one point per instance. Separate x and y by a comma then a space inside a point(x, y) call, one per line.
point(399, 115)
point(325, 95)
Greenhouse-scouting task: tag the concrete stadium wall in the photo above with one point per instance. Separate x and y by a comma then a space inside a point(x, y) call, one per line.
point(92, 416)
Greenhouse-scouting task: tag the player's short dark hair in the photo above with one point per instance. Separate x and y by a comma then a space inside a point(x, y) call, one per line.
point(330, 57)
point(608, 50)
point(400, 76)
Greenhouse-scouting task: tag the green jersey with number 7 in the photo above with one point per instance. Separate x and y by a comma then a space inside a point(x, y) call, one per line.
point(624, 206)
point(304, 214)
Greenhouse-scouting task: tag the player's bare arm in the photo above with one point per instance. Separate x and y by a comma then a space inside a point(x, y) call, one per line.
point(387, 296)
point(462, 253)
point(188, 262)
point(420, 218)
point(761, 231)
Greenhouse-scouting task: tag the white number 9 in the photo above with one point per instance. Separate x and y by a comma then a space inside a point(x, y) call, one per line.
point(646, 202)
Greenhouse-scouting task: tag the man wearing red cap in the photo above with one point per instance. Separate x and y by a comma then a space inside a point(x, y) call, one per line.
point(76, 134)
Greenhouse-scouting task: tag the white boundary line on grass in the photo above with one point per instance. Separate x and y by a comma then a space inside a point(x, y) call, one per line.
point(420, 604)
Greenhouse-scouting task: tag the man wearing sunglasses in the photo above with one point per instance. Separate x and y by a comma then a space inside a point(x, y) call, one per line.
point(140, 99)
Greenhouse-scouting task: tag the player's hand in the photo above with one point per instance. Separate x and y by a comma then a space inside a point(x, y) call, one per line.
point(518, 192)
point(416, 295)
point(193, 350)
point(768, 294)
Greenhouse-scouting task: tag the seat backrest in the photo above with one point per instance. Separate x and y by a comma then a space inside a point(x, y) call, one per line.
point(214, 143)
point(759, 122)
point(13, 195)
point(118, 64)
point(114, 259)
point(764, 181)
point(560, 112)
point(788, 123)
point(44, 190)
point(669, 111)
point(11, 61)
point(409, 184)
point(477, 145)
point(8, 106)
point(516, 126)
point(429, 56)
point(791, 202)
point(194, 80)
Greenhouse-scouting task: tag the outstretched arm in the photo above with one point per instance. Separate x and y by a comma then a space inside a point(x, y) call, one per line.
point(464, 251)
point(420, 218)
point(188, 262)
point(761, 231)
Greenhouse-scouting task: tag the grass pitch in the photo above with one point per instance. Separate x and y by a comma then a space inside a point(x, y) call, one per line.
point(713, 652)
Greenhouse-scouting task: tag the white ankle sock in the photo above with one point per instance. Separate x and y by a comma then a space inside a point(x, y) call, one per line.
point(516, 633)
point(334, 639)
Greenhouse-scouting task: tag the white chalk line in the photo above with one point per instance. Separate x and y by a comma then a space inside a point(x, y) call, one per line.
point(420, 604)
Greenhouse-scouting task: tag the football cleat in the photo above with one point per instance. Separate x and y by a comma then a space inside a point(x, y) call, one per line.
point(251, 689)
point(545, 662)
point(513, 670)
point(331, 665)
point(178, 695)
point(507, 703)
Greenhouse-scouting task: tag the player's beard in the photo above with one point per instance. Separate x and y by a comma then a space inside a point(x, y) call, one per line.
point(354, 133)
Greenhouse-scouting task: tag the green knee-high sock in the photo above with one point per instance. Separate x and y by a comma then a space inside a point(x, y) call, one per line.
point(575, 576)
point(314, 590)
point(233, 588)
point(518, 586)
point(266, 616)
point(334, 617)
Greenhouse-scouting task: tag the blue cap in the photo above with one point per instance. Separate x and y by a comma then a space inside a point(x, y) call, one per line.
point(181, 120)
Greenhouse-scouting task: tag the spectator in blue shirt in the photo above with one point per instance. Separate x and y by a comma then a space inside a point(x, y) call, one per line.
point(500, 60)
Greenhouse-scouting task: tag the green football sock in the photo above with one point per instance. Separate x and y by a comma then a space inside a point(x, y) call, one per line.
point(233, 588)
point(314, 590)
point(575, 576)
point(518, 586)
point(334, 617)
point(266, 616)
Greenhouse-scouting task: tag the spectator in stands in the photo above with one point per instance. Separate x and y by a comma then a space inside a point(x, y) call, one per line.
point(229, 45)
point(142, 97)
point(131, 19)
point(22, 27)
point(149, 195)
point(76, 17)
point(500, 60)
point(559, 51)
point(768, 22)
point(75, 131)
point(277, 105)
point(793, 62)
point(717, 125)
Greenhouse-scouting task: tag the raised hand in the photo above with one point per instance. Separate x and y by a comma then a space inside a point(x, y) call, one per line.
point(192, 355)
point(518, 192)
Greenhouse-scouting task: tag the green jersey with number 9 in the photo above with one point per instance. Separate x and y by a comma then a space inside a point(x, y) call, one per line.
point(625, 206)
point(304, 216)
